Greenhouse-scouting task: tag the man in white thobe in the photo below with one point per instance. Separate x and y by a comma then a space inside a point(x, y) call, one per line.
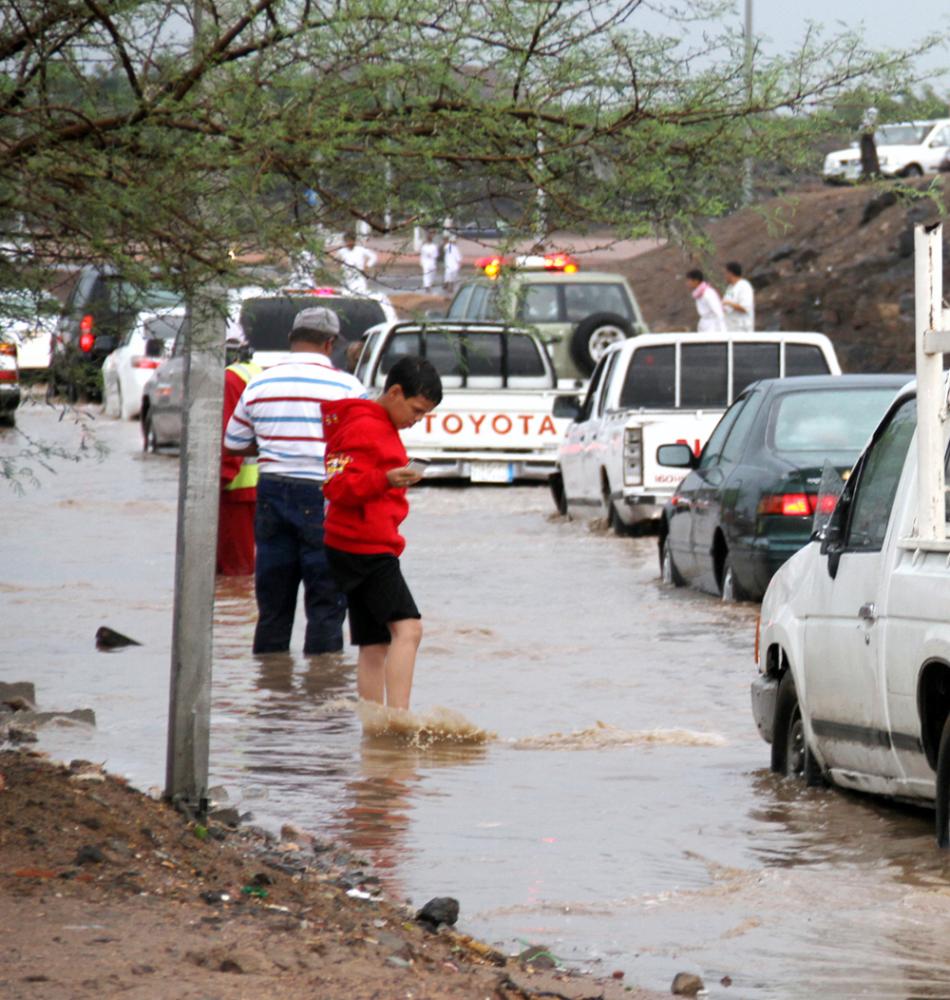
point(451, 263)
point(428, 260)
point(357, 263)
point(739, 300)
point(712, 319)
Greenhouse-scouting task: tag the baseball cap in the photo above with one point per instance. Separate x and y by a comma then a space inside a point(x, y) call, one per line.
point(319, 319)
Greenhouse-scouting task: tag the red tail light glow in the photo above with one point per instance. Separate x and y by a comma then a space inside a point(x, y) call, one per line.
point(86, 323)
point(86, 340)
point(143, 362)
point(8, 375)
point(7, 348)
point(794, 504)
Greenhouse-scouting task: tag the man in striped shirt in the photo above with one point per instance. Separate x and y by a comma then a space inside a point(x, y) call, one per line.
point(278, 418)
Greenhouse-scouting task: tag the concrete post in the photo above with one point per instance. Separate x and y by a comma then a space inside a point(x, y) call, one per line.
point(198, 491)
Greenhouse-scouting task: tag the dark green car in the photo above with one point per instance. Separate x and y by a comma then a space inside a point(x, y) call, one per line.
point(748, 503)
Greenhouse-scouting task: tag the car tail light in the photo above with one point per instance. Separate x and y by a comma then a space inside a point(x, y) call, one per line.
point(633, 456)
point(86, 340)
point(87, 323)
point(9, 375)
point(7, 348)
point(143, 362)
point(788, 504)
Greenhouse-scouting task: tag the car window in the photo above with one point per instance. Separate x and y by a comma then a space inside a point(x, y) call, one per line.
point(583, 300)
point(524, 357)
point(942, 138)
point(738, 439)
point(804, 359)
point(650, 379)
point(491, 308)
point(539, 304)
point(703, 376)
point(163, 327)
point(477, 302)
point(362, 369)
point(459, 306)
point(901, 135)
point(611, 363)
point(870, 506)
point(717, 439)
point(826, 420)
point(751, 362)
point(399, 346)
point(595, 381)
point(266, 321)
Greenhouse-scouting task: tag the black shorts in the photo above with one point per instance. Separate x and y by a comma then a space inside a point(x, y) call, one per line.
point(376, 594)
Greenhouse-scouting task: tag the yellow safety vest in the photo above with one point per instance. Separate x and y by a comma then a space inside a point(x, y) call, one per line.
point(247, 476)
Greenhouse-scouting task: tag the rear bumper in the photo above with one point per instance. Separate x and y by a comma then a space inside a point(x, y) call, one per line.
point(639, 505)
point(515, 468)
point(764, 692)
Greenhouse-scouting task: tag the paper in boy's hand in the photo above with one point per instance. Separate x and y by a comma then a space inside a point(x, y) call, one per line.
point(418, 465)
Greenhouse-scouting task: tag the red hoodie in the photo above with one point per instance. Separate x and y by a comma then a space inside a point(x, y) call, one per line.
point(364, 512)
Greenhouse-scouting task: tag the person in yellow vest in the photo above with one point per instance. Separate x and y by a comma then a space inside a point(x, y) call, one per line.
point(238, 485)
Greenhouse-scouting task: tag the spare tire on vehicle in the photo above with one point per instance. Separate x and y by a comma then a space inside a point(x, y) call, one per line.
point(593, 335)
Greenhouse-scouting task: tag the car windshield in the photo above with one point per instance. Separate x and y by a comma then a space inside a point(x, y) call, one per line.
point(901, 135)
point(584, 299)
point(827, 419)
point(267, 321)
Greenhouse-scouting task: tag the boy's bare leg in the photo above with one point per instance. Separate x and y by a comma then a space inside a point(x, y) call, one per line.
point(371, 673)
point(401, 660)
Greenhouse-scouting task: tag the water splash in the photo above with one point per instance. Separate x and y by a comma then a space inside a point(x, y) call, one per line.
point(605, 736)
point(437, 725)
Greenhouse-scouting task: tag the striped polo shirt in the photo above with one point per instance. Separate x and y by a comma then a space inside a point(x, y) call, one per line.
point(280, 409)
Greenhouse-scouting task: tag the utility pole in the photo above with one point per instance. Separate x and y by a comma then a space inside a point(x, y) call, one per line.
point(199, 477)
point(189, 715)
point(747, 171)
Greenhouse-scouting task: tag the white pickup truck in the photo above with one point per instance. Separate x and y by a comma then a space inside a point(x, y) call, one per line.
point(853, 648)
point(495, 423)
point(663, 388)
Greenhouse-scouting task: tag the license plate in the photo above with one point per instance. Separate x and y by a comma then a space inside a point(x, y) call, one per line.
point(492, 472)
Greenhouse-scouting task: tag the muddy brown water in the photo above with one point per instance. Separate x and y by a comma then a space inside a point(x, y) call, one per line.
point(623, 814)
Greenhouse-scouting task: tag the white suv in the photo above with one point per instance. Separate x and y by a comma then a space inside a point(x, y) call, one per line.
point(906, 149)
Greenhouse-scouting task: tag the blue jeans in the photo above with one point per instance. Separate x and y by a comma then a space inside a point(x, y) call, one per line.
point(288, 532)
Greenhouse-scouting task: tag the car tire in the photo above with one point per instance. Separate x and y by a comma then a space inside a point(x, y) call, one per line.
point(556, 483)
point(149, 440)
point(611, 516)
point(593, 335)
point(912, 170)
point(669, 574)
point(942, 818)
point(791, 755)
point(729, 587)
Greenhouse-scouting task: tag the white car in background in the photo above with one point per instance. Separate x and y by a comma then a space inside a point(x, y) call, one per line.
point(905, 149)
point(28, 319)
point(144, 346)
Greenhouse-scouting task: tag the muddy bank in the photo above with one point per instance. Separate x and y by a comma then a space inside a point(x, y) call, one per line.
point(106, 891)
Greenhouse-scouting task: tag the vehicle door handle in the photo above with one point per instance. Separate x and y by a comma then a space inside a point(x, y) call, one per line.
point(866, 612)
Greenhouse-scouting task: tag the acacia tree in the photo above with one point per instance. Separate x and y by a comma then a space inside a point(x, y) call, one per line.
point(183, 134)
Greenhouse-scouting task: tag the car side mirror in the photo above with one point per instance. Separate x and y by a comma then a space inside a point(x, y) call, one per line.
point(676, 456)
point(568, 407)
point(832, 547)
point(154, 347)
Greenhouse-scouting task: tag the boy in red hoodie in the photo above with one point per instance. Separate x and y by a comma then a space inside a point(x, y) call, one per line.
point(367, 477)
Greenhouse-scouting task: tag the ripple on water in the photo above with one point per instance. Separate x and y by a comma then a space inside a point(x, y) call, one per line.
point(602, 736)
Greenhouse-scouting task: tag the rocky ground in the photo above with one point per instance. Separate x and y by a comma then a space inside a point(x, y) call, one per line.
point(106, 892)
point(836, 260)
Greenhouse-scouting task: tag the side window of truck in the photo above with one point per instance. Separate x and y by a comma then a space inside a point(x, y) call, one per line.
point(458, 308)
point(650, 379)
point(804, 359)
point(704, 370)
point(873, 498)
point(595, 382)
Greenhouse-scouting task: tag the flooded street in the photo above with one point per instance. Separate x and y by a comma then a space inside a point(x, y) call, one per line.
point(623, 813)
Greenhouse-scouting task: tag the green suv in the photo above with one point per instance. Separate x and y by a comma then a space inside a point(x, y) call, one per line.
point(578, 315)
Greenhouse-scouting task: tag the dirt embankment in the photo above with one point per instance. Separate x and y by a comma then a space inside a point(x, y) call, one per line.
point(104, 892)
point(836, 260)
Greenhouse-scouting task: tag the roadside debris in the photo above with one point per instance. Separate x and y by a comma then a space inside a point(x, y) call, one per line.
point(439, 910)
point(685, 984)
point(107, 638)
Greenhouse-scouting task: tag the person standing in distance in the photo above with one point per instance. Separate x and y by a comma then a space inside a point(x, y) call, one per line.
point(367, 475)
point(428, 260)
point(708, 304)
point(357, 264)
point(278, 418)
point(739, 300)
point(451, 263)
